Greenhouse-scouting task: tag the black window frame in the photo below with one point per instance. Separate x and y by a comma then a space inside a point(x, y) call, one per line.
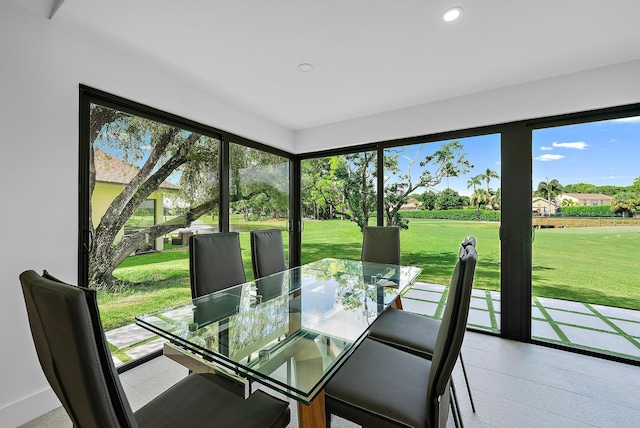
point(516, 175)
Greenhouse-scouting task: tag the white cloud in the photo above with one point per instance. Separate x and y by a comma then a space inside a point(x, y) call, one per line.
point(547, 158)
point(546, 148)
point(628, 119)
point(613, 141)
point(580, 145)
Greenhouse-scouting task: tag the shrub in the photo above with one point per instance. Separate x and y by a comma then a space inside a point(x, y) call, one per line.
point(588, 211)
point(465, 214)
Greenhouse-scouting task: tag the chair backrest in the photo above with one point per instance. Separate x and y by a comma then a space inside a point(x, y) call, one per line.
point(73, 353)
point(215, 262)
point(267, 252)
point(471, 240)
point(450, 335)
point(381, 245)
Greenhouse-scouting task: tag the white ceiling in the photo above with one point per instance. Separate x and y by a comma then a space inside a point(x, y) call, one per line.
point(369, 56)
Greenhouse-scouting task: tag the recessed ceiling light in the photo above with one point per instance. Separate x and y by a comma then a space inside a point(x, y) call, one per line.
point(452, 14)
point(305, 67)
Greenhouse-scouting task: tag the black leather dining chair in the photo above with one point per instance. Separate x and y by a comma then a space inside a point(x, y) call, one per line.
point(73, 353)
point(215, 262)
point(267, 252)
point(413, 332)
point(381, 244)
point(384, 386)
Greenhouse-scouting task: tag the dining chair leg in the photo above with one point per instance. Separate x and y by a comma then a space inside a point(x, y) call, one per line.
point(455, 407)
point(466, 379)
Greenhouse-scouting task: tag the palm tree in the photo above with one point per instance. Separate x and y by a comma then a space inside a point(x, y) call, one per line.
point(474, 182)
point(549, 190)
point(480, 198)
point(487, 176)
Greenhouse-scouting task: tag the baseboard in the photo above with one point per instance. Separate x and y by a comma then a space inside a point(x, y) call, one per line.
point(28, 408)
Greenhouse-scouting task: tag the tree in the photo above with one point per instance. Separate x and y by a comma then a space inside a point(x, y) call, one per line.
point(481, 198)
point(162, 150)
point(626, 203)
point(635, 187)
point(487, 176)
point(315, 181)
point(497, 199)
point(549, 190)
point(474, 182)
point(428, 199)
point(345, 184)
point(449, 199)
point(580, 188)
point(448, 161)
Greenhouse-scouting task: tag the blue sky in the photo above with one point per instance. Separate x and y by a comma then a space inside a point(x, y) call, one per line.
point(600, 153)
point(482, 152)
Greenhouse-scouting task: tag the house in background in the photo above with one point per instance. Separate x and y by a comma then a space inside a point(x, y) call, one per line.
point(586, 199)
point(412, 204)
point(540, 206)
point(112, 175)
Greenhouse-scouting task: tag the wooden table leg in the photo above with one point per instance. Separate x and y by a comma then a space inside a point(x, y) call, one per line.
point(397, 303)
point(312, 416)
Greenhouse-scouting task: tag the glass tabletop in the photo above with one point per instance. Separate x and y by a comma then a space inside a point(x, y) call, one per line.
point(290, 331)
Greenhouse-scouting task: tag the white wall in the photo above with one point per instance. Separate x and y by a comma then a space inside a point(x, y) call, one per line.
point(41, 65)
point(598, 88)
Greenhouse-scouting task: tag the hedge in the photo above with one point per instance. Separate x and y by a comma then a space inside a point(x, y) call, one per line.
point(588, 211)
point(471, 215)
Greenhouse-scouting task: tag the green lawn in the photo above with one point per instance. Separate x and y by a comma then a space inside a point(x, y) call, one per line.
point(593, 265)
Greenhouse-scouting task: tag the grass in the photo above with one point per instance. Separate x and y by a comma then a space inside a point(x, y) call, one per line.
point(592, 265)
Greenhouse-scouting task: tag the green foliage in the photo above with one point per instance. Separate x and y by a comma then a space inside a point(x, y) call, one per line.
point(587, 211)
point(481, 198)
point(428, 200)
point(455, 214)
point(448, 161)
point(626, 203)
point(449, 199)
point(592, 188)
point(549, 189)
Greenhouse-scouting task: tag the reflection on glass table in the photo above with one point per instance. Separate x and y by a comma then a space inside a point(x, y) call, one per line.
point(290, 331)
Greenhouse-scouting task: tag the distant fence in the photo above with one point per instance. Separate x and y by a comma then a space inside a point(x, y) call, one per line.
point(551, 222)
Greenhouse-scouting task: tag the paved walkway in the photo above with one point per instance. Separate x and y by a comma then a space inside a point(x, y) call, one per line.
point(604, 329)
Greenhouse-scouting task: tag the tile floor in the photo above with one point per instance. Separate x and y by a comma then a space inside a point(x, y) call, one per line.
point(513, 383)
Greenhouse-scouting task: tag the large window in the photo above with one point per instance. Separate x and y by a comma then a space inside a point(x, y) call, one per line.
point(258, 195)
point(152, 185)
point(150, 180)
point(553, 203)
point(438, 193)
point(338, 199)
point(586, 204)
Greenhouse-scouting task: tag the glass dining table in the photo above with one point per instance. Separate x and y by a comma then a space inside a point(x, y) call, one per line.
point(290, 331)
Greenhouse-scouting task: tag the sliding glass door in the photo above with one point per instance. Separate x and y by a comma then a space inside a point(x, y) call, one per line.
point(258, 196)
point(438, 193)
point(338, 199)
point(585, 207)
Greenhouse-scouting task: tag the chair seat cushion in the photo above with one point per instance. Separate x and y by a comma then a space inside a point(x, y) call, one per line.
point(413, 332)
point(207, 405)
point(392, 395)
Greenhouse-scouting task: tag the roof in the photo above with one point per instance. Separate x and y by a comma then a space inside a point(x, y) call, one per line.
point(588, 196)
point(111, 169)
